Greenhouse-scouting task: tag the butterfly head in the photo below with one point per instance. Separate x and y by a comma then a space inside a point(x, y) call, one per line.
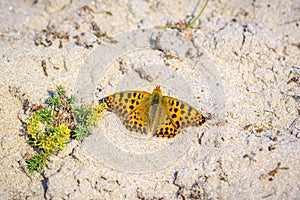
point(156, 95)
point(157, 90)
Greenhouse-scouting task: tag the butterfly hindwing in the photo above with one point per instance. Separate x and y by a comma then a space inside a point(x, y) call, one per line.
point(138, 120)
point(166, 130)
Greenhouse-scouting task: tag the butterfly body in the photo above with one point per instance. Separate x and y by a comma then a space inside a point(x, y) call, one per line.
point(152, 113)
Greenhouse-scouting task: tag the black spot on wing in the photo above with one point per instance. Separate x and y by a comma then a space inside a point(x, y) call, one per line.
point(190, 110)
point(177, 124)
point(121, 95)
point(182, 106)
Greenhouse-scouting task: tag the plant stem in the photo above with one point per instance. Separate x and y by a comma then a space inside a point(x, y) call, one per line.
point(197, 17)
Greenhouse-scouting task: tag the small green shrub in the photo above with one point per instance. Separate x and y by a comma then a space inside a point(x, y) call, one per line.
point(53, 125)
point(86, 118)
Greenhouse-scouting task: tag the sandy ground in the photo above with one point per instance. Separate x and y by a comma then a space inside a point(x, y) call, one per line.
point(248, 82)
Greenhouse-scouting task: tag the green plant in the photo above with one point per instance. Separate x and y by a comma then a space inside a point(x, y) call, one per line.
point(51, 126)
point(197, 17)
point(182, 24)
point(37, 162)
point(86, 118)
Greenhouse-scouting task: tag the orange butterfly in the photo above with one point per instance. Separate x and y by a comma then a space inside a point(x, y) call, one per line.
point(144, 112)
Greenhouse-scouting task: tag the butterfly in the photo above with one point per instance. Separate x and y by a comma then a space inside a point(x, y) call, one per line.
point(145, 112)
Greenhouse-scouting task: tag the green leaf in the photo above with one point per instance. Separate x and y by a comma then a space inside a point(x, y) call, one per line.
point(37, 162)
point(61, 91)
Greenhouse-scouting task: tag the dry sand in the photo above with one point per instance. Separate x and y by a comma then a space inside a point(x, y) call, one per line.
point(242, 68)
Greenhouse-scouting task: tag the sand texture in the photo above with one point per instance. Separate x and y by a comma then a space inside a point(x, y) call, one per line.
point(241, 68)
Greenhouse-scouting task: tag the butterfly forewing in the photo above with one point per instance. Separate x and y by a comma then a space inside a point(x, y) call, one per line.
point(131, 107)
point(124, 103)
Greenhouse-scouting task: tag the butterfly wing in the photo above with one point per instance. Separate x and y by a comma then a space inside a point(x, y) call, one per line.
point(132, 107)
point(166, 130)
point(179, 115)
point(135, 108)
